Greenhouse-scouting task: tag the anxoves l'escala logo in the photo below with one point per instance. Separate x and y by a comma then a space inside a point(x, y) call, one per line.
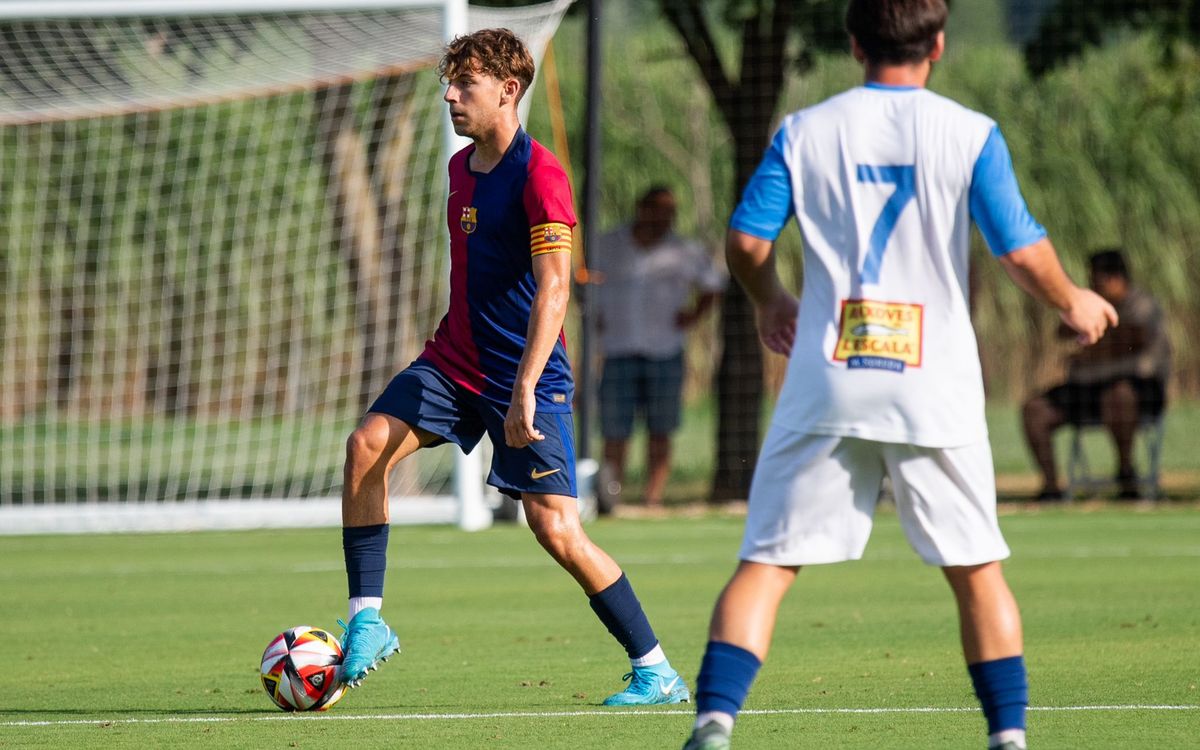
point(880, 335)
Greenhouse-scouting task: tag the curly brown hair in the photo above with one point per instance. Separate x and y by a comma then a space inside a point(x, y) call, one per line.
point(498, 53)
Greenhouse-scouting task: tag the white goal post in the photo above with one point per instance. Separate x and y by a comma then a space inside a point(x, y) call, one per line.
point(224, 227)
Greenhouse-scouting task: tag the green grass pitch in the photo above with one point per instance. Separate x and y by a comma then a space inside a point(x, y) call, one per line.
point(154, 641)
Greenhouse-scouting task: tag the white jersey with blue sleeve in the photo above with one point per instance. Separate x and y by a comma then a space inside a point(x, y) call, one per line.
point(884, 182)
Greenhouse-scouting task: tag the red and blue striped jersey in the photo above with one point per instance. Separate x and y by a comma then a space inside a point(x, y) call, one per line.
point(498, 222)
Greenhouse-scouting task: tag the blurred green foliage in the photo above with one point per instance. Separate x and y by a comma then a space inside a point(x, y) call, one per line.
point(1105, 148)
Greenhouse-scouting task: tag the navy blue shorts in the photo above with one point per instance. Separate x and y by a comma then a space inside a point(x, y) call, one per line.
point(423, 397)
point(640, 384)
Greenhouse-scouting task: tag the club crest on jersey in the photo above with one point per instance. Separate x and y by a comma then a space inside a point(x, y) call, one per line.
point(469, 220)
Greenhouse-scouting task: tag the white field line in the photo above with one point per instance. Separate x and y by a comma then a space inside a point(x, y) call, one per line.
point(569, 714)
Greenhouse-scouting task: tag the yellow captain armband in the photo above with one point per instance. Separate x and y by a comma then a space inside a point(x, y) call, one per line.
point(553, 237)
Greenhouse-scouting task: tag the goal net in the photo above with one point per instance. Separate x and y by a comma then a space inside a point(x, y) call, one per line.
point(223, 234)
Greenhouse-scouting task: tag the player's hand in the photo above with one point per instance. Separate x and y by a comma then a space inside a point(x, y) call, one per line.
point(1089, 315)
point(776, 320)
point(518, 422)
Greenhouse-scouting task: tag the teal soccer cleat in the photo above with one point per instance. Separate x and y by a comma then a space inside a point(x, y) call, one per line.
point(711, 736)
point(367, 641)
point(651, 685)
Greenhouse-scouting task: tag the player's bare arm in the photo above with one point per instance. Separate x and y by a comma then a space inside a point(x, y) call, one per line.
point(752, 262)
point(1036, 269)
point(552, 271)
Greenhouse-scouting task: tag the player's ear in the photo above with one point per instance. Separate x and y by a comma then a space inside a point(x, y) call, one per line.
point(939, 47)
point(857, 51)
point(510, 91)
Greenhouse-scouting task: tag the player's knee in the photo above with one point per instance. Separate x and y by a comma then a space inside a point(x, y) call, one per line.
point(367, 442)
point(557, 534)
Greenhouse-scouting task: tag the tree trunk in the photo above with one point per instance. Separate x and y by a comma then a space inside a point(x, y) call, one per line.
point(389, 156)
point(367, 176)
point(356, 228)
point(740, 373)
point(390, 148)
point(76, 330)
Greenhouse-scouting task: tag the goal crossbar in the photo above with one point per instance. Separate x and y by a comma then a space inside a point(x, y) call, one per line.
point(46, 9)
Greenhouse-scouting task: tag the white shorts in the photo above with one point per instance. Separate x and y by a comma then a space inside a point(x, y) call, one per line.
point(813, 498)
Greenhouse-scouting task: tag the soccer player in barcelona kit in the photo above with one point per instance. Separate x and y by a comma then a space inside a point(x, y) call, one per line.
point(883, 374)
point(496, 364)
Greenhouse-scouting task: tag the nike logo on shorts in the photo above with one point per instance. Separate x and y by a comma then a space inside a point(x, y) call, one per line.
point(535, 474)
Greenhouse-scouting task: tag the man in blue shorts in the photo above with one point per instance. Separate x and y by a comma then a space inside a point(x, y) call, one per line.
point(654, 286)
point(496, 364)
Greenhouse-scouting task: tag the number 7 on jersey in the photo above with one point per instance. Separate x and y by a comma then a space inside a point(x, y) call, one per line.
point(904, 178)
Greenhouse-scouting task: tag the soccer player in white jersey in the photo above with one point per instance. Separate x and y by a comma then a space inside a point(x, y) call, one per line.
point(883, 375)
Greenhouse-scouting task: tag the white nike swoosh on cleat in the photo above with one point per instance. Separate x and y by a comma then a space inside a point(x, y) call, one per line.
point(668, 687)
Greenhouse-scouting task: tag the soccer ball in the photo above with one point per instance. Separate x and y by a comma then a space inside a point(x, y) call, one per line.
point(300, 669)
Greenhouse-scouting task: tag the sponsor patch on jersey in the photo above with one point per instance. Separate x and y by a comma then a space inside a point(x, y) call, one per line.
point(469, 219)
point(880, 335)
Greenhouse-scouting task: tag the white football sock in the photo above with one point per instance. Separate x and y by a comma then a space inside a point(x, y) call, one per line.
point(1007, 735)
point(650, 658)
point(720, 717)
point(359, 603)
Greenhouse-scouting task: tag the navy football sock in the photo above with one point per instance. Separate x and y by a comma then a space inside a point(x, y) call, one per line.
point(1003, 692)
point(726, 673)
point(365, 548)
point(621, 612)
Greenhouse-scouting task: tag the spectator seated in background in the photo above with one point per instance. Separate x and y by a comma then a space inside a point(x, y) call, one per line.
point(1117, 382)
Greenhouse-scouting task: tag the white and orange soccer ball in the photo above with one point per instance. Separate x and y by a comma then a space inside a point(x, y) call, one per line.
point(300, 669)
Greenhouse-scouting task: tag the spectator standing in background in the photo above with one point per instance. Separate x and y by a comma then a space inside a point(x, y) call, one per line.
point(1115, 382)
point(654, 286)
